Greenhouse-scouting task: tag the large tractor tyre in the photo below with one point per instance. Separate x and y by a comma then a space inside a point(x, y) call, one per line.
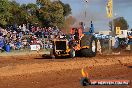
point(89, 40)
point(78, 53)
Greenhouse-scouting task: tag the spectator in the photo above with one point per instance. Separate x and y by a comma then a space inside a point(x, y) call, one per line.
point(24, 28)
point(18, 44)
point(1, 44)
point(21, 36)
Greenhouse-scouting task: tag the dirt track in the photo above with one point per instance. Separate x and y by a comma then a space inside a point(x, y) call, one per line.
point(31, 72)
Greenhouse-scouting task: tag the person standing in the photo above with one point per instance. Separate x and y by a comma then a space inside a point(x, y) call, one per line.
point(1, 44)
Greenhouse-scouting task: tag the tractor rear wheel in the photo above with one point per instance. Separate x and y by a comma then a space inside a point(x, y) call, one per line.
point(91, 42)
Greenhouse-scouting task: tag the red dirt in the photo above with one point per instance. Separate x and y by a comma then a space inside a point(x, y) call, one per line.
point(19, 72)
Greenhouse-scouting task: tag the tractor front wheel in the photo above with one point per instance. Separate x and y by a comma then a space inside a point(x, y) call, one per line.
point(72, 53)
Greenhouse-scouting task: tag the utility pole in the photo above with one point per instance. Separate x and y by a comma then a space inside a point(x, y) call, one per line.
point(85, 13)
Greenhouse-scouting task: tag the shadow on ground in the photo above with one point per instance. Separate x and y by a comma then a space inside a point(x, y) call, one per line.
point(129, 66)
point(50, 57)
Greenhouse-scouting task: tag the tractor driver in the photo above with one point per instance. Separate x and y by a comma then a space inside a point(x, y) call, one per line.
point(76, 35)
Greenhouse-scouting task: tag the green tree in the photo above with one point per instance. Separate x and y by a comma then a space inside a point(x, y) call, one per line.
point(24, 14)
point(119, 22)
point(42, 12)
point(50, 13)
point(15, 11)
point(43, 2)
point(5, 15)
point(31, 10)
point(19, 13)
point(57, 17)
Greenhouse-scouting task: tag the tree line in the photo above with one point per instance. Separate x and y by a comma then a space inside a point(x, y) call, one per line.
point(43, 13)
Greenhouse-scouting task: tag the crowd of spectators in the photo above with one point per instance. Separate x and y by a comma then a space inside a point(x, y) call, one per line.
point(21, 37)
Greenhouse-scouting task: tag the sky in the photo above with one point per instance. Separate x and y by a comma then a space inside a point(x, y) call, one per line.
point(96, 11)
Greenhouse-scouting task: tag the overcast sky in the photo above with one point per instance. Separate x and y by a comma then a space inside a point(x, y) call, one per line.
point(96, 11)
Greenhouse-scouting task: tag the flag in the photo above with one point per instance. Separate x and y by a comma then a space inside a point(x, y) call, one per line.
point(109, 8)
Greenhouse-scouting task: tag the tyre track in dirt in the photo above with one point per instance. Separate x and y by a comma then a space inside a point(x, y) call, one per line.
point(63, 73)
point(19, 69)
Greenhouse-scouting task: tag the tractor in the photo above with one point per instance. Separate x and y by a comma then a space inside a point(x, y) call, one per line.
point(80, 43)
point(123, 39)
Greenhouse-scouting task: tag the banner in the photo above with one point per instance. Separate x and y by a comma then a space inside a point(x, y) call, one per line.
point(118, 30)
point(35, 47)
point(109, 8)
